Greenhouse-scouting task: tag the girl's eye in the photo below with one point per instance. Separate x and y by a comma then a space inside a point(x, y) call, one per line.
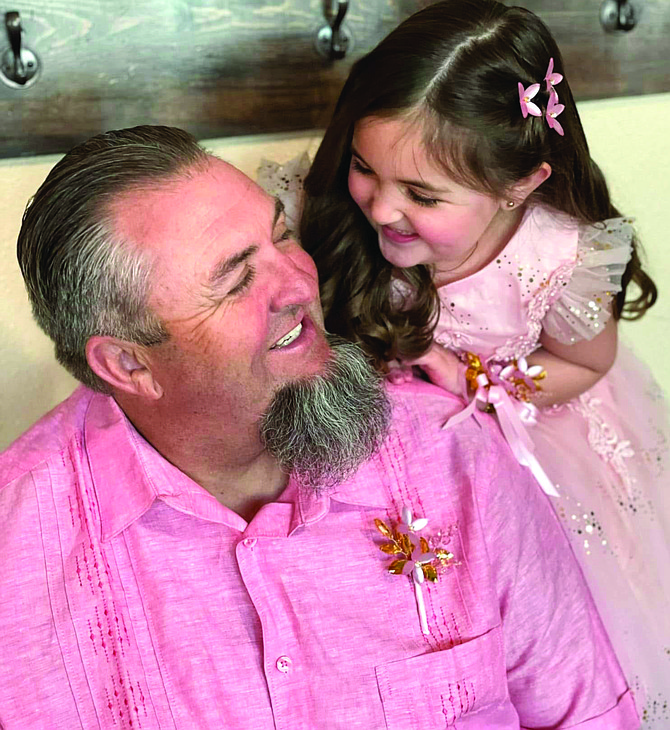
point(358, 167)
point(244, 283)
point(421, 200)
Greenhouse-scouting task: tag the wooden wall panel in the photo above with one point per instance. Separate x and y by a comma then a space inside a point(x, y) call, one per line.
point(231, 67)
point(601, 64)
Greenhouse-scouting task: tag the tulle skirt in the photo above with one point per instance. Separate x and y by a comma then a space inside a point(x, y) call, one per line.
point(608, 454)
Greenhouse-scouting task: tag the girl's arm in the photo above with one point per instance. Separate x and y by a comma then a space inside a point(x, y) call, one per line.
point(573, 369)
point(443, 369)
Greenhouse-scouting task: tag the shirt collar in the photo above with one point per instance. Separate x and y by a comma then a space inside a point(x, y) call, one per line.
point(122, 487)
point(129, 475)
point(364, 489)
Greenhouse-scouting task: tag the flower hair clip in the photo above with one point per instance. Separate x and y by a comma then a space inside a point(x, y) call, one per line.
point(552, 78)
point(415, 556)
point(553, 110)
point(525, 96)
point(553, 107)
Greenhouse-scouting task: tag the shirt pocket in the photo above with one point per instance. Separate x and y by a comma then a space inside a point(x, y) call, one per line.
point(465, 684)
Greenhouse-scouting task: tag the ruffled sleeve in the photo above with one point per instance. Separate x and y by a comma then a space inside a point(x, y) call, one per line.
point(582, 309)
point(286, 183)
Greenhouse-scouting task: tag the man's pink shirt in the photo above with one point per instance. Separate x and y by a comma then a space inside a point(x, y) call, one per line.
point(131, 598)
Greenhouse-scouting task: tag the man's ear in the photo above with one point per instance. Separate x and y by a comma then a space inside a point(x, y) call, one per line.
point(124, 365)
point(523, 188)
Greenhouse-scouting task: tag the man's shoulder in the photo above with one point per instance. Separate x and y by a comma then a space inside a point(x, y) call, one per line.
point(45, 439)
point(467, 460)
point(421, 401)
point(460, 460)
point(421, 410)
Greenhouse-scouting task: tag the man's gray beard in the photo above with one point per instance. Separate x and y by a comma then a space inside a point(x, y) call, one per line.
point(321, 429)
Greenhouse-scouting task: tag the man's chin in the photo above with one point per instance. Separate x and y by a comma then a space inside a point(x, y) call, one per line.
point(324, 425)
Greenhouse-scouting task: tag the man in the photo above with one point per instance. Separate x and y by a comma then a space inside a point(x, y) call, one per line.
point(219, 532)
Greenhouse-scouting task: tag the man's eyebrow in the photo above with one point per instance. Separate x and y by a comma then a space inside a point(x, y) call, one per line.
point(412, 183)
point(229, 264)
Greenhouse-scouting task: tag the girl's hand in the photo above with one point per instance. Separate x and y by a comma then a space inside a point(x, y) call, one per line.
point(398, 372)
point(443, 369)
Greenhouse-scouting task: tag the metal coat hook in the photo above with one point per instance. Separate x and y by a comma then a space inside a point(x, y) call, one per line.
point(334, 40)
point(19, 66)
point(618, 15)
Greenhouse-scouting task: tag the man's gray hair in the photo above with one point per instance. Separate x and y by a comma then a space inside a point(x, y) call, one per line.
point(82, 278)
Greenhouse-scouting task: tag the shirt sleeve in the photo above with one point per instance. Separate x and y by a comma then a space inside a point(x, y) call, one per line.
point(561, 668)
point(583, 307)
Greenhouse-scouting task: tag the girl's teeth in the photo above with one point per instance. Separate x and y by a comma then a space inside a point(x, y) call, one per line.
point(289, 337)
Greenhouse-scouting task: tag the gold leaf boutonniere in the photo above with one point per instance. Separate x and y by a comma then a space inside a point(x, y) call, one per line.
point(414, 556)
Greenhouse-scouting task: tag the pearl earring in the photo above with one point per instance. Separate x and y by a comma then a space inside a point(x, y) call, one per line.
point(510, 203)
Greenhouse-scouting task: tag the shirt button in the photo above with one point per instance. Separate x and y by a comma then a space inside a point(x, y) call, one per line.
point(249, 542)
point(284, 664)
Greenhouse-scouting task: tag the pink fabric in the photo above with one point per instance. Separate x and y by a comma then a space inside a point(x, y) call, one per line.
point(607, 451)
point(130, 598)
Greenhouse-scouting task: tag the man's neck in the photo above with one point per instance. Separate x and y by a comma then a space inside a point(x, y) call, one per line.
point(242, 476)
point(245, 488)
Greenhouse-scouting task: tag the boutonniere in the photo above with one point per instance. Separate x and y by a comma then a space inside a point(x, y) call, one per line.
point(416, 556)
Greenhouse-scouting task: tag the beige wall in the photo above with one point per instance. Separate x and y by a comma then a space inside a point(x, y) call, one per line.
point(628, 139)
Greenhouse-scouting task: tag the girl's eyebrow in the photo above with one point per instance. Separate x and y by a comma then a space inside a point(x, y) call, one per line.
point(412, 183)
point(424, 186)
point(356, 153)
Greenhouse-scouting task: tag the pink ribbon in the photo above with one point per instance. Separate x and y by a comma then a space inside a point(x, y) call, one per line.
point(511, 425)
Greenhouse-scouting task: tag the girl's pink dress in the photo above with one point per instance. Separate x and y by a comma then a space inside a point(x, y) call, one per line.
point(607, 451)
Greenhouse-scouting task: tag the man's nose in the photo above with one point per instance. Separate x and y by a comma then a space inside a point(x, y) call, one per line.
point(295, 280)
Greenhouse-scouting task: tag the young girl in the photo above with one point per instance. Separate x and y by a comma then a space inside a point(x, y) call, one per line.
point(459, 223)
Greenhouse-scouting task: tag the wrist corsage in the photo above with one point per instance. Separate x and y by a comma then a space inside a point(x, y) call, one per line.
point(506, 389)
point(517, 379)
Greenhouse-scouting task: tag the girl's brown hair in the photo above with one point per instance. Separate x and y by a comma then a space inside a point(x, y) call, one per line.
point(454, 68)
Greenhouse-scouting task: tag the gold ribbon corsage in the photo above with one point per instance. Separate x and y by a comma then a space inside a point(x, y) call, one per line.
point(506, 390)
point(414, 556)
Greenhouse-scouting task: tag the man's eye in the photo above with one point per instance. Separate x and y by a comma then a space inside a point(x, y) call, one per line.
point(283, 234)
point(244, 283)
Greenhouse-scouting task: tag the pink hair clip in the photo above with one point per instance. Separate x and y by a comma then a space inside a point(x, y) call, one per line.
point(552, 78)
point(553, 107)
point(553, 110)
point(525, 96)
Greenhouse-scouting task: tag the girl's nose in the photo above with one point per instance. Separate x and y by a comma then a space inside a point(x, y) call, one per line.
point(384, 209)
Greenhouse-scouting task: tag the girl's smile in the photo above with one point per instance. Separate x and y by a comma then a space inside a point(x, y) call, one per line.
point(397, 236)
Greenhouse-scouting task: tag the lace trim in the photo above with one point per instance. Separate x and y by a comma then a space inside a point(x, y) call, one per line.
point(603, 439)
point(536, 309)
point(285, 182)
